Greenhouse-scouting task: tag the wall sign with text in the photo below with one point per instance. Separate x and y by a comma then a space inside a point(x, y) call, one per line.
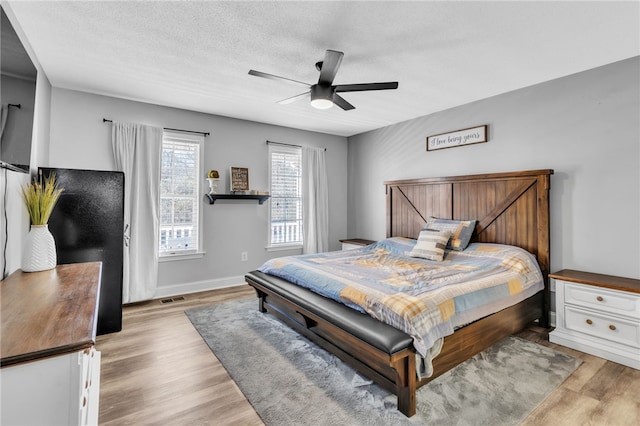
point(239, 179)
point(457, 138)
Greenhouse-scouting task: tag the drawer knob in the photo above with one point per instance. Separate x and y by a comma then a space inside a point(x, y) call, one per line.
point(599, 298)
point(612, 327)
point(589, 322)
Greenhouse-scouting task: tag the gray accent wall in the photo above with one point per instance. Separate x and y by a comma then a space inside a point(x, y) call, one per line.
point(79, 139)
point(585, 126)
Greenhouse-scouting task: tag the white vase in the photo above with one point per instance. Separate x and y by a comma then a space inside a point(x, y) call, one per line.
point(39, 252)
point(213, 185)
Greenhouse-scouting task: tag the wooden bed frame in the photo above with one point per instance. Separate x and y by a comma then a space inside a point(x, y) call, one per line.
point(511, 208)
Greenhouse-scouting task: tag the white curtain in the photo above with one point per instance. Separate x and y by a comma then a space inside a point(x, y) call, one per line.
point(4, 114)
point(137, 150)
point(315, 196)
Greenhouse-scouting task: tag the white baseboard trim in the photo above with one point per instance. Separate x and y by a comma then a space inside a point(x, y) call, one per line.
point(197, 286)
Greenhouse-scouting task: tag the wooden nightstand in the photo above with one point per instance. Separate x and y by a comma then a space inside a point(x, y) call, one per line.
point(353, 243)
point(598, 314)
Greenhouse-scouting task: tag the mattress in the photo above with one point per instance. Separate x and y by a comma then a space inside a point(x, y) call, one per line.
point(423, 298)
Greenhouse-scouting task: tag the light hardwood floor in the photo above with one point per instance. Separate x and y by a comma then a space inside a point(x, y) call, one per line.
point(158, 370)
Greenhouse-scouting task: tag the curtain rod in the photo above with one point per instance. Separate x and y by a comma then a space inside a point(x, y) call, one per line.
point(285, 144)
point(104, 120)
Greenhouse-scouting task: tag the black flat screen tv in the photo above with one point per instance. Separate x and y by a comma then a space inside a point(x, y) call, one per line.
point(17, 99)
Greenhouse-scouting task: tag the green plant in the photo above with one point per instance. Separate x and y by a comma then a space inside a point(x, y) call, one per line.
point(40, 197)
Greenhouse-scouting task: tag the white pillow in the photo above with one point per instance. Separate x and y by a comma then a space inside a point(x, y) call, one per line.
point(431, 244)
point(461, 231)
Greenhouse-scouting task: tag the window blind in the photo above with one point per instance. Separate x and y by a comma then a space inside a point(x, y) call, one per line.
point(180, 194)
point(286, 195)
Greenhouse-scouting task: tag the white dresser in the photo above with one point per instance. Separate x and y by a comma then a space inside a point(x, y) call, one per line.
point(598, 314)
point(50, 369)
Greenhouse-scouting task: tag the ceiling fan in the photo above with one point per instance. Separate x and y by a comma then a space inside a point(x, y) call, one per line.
point(324, 94)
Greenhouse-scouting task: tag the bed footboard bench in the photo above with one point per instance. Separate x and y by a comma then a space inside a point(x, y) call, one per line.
point(378, 351)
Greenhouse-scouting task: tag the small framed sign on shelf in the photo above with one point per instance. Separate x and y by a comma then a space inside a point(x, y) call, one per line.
point(239, 179)
point(462, 137)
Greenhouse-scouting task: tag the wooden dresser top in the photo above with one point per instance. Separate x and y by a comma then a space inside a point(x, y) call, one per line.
point(49, 313)
point(598, 280)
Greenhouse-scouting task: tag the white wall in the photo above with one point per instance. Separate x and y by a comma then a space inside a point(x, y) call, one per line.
point(79, 139)
point(17, 219)
point(585, 126)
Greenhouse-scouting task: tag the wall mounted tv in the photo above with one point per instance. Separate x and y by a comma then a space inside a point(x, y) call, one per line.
point(17, 99)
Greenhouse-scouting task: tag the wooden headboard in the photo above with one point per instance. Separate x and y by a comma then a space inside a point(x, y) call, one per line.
point(511, 208)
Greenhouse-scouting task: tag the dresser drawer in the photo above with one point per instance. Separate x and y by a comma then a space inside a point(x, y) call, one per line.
point(347, 246)
point(617, 302)
point(602, 326)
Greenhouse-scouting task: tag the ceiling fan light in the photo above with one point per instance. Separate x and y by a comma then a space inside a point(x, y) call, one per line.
point(321, 97)
point(321, 103)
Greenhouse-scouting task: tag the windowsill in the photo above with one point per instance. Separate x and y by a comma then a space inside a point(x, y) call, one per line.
point(174, 257)
point(285, 247)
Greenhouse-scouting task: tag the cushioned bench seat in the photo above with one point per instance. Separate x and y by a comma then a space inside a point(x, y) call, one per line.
point(371, 331)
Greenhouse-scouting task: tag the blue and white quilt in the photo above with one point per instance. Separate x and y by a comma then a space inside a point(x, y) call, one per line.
point(417, 296)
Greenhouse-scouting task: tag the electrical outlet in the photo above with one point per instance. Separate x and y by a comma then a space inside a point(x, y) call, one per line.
point(244, 256)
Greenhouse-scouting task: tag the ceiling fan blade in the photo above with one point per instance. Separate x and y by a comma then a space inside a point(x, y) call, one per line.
point(294, 98)
point(366, 86)
point(339, 100)
point(277, 78)
point(330, 65)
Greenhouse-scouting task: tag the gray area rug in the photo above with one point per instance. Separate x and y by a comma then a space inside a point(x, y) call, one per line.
point(291, 381)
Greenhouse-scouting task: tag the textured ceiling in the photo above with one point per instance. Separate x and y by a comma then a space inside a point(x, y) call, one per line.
point(196, 55)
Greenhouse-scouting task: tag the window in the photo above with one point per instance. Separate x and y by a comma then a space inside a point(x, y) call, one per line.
point(285, 215)
point(180, 206)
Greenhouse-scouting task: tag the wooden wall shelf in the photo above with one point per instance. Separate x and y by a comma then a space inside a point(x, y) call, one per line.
point(213, 197)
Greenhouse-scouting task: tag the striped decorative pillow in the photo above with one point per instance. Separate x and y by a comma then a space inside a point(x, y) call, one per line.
point(431, 244)
point(461, 231)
